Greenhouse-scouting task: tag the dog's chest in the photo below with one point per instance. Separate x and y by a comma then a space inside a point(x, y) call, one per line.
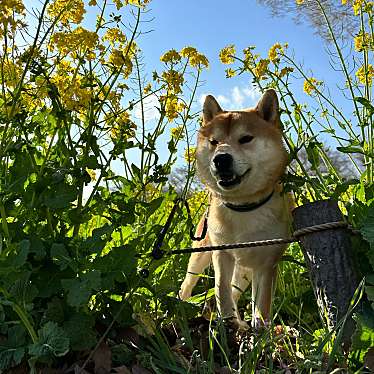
point(267, 222)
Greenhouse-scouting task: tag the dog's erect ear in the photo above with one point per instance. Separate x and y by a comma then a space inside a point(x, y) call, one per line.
point(211, 108)
point(268, 107)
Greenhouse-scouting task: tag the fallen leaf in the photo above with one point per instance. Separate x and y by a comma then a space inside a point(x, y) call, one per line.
point(136, 369)
point(122, 370)
point(102, 359)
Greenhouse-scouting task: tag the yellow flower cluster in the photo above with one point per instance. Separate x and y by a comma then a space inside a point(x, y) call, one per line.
point(261, 68)
point(365, 76)
point(190, 154)
point(177, 132)
point(174, 80)
point(299, 2)
point(9, 9)
point(363, 41)
point(121, 59)
point(123, 127)
point(196, 59)
point(140, 3)
point(227, 54)
point(171, 56)
point(114, 35)
point(274, 52)
point(11, 73)
point(67, 11)
point(196, 200)
point(310, 85)
point(173, 106)
point(357, 5)
point(75, 42)
point(72, 93)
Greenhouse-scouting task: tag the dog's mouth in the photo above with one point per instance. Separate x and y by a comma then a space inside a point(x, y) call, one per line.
point(230, 180)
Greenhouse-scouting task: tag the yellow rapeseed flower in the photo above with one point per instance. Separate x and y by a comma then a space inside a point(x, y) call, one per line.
point(177, 132)
point(365, 75)
point(199, 60)
point(119, 60)
point(147, 89)
point(227, 54)
point(363, 41)
point(114, 35)
point(173, 107)
point(11, 73)
point(273, 52)
point(121, 126)
point(284, 71)
point(10, 9)
point(196, 59)
point(261, 68)
point(356, 5)
point(68, 11)
point(299, 2)
point(71, 42)
point(174, 80)
point(310, 85)
point(190, 154)
point(171, 56)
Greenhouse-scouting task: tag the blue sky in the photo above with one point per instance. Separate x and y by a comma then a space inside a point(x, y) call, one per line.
point(210, 25)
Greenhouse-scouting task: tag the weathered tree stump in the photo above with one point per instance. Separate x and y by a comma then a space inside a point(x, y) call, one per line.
point(328, 258)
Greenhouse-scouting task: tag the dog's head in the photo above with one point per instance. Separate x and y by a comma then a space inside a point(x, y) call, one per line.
point(241, 153)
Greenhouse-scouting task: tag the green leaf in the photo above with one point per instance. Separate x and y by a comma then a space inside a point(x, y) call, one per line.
point(18, 256)
point(366, 103)
point(363, 337)
point(13, 350)
point(61, 196)
point(60, 255)
point(367, 227)
point(350, 149)
point(81, 338)
point(80, 289)
point(52, 342)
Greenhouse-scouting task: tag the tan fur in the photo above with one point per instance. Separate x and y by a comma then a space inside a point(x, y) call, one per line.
point(264, 159)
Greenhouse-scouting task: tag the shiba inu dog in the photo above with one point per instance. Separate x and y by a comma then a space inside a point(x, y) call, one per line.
point(240, 158)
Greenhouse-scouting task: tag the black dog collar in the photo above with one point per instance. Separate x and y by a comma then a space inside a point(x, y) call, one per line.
point(250, 206)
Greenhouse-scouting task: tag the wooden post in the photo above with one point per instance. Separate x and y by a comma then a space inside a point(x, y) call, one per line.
point(328, 258)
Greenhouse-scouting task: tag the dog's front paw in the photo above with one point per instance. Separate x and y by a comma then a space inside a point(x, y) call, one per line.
point(236, 323)
point(185, 292)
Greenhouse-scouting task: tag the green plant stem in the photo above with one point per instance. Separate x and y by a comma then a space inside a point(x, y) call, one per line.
point(4, 222)
point(23, 317)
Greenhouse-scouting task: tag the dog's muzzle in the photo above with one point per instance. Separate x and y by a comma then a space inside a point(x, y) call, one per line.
point(223, 169)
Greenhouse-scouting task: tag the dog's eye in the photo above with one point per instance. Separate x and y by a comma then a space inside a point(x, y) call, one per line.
point(245, 139)
point(213, 141)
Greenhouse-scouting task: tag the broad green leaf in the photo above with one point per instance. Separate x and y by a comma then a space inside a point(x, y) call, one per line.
point(367, 227)
point(60, 255)
point(52, 342)
point(81, 338)
point(61, 196)
point(12, 350)
point(80, 289)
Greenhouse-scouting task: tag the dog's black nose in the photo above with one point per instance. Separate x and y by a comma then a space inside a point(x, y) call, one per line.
point(223, 162)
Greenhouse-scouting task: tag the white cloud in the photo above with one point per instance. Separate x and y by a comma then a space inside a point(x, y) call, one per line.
point(223, 100)
point(253, 93)
point(239, 98)
point(150, 105)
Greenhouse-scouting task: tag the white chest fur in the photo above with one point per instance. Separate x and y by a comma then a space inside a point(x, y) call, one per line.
point(269, 221)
